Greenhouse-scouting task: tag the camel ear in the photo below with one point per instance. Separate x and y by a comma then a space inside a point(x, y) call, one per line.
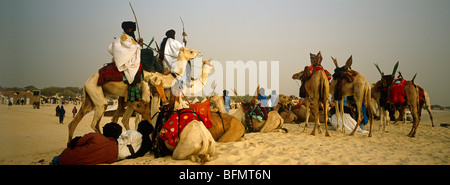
point(395, 68)
point(349, 62)
point(335, 62)
point(319, 58)
point(312, 57)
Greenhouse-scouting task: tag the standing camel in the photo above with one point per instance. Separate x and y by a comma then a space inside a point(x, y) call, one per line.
point(411, 97)
point(94, 95)
point(380, 92)
point(317, 89)
point(350, 83)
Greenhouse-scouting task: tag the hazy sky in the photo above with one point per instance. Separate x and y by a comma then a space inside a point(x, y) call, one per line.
point(61, 43)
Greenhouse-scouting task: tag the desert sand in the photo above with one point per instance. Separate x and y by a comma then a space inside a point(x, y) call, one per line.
point(34, 136)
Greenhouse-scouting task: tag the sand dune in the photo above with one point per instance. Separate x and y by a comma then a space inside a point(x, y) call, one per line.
point(34, 136)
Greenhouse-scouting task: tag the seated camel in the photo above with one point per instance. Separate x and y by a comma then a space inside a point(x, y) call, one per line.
point(273, 123)
point(226, 128)
point(196, 143)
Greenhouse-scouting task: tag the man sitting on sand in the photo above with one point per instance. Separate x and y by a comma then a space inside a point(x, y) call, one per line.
point(135, 143)
point(92, 148)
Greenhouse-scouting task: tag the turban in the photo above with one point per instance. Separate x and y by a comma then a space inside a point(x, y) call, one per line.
point(128, 24)
point(170, 34)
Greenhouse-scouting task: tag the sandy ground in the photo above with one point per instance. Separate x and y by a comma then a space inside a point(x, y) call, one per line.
point(34, 136)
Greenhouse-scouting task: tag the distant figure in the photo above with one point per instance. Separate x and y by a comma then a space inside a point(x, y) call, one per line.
point(262, 98)
point(9, 104)
point(62, 113)
point(57, 110)
point(273, 98)
point(74, 111)
point(22, 101)
point(226, 100)
point(93, 148)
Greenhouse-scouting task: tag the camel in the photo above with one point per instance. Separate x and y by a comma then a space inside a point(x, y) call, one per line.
point(195, 143)
point(412, 98)
point(274, 122)
point(425, 102)
point(94, 95)
point(226, 128)
point(284, 111)
point(359, 87)
point(380, 92)
point(317, 89)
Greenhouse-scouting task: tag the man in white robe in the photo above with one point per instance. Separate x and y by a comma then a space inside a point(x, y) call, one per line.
point(126, 51)
point(171, 48)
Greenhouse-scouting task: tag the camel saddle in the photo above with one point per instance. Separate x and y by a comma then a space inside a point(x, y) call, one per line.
point(307, 73)
point(202, 108)
point(341, 73)
point(110, 73)
point(397, 92)
point(171, 130)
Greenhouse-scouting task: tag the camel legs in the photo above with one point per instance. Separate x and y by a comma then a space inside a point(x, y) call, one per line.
point(86, 107)
point(325, 108)
point(416, 120)
point(308, 111)
point(98, 114)
point(316, 115)
point(339, 107)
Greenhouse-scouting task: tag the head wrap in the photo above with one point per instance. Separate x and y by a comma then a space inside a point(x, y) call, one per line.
point(145, 128)
point(128, 24)
point(112, 130)
point(170, 34)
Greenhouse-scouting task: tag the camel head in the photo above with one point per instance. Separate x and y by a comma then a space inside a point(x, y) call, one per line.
point(316, 59)
point(386, 80)
point(284, 99)
point(297, 76)
point(143, 108)
point(184, 56)
point(207, 66)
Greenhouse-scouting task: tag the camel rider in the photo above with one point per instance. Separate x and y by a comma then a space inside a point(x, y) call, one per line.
point(126, 51)
point(169, 51)
point(170, 48)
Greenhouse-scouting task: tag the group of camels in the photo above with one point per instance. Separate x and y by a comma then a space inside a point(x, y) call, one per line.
point(196, 142)
point(318, 88)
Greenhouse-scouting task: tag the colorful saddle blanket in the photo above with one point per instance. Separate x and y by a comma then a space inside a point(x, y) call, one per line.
point(309, 71)
point(202, 108)
point(421, 94)
point(110, 73)
point(397, 92)
point(171, 130)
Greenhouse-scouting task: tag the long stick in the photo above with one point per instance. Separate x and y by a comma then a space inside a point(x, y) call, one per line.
point(137, 25)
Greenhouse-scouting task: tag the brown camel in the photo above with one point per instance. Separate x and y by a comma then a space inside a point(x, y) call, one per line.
point(274, 122)
point(317, 89)
point(226, 128)
point(380, 92)
point(94, 96)
point(412, 97)
point(350, 83)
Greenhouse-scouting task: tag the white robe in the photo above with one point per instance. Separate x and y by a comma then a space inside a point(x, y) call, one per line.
point(129, 137)
point(127, 55)
point(171, 51)
point(349, 123)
